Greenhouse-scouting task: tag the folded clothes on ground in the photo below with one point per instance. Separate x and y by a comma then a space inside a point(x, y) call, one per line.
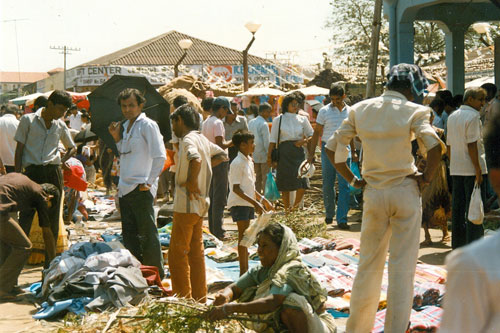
point(426, 320)
point(307, 246)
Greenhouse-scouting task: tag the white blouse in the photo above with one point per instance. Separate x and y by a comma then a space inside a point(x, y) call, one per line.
point(293, 127)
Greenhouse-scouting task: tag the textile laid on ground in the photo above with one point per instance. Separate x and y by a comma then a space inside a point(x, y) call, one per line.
point(426, 320)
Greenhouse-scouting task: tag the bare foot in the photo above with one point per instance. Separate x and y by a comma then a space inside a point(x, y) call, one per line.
point(446, 238)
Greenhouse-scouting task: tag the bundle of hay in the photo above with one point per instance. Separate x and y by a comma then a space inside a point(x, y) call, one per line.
point(172, 93)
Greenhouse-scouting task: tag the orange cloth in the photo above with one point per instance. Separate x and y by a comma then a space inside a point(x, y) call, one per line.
point(186, 258)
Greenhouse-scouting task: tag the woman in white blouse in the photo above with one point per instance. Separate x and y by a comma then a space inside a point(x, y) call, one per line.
point(290, 132)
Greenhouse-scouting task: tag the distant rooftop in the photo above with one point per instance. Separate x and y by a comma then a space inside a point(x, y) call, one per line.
point(165, 50)
point(22, 77)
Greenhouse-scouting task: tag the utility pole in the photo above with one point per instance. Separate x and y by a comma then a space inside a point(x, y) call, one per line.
point(65, 50)
point(372, 63)
point(17, 50)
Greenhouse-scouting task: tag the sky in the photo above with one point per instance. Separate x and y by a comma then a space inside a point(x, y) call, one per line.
point(99, 27)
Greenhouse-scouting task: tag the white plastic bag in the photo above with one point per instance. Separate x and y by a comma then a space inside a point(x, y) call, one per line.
point(476, 212)
point(251, 233)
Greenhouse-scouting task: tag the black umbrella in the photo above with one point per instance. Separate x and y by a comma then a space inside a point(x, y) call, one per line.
point(105, 109)
point(85, 136)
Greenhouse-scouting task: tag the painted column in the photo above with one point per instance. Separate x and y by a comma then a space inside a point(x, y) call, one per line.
point(393, 33)
point(405, 45)
point(454, 38)
point(497, 61)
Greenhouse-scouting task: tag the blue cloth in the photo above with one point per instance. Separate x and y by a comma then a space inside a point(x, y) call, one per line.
point(75, 305)
point(438, 121)
point(111, 238)
point(84, 249)
point(164, 239)
point(329, 174)
point(231, 269)
point(337, 314)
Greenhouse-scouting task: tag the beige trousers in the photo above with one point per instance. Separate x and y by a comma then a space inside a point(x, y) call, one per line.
point(391, 220)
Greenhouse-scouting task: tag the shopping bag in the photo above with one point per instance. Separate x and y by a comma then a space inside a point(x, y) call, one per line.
point(251, 233)
point(271, 191)
point(476, 212)
point(355, 171)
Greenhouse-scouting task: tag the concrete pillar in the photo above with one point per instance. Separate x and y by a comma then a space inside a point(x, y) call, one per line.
point(393, 34)
point(454, 38)
point(405, 45)
point(497, 62)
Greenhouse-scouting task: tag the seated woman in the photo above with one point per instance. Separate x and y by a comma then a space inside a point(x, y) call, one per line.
point(282, 292)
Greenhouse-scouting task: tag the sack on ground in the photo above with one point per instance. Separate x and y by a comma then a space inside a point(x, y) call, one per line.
point(476, 212)
point(271, 191)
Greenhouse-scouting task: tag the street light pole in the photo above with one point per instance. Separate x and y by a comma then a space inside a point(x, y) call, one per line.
point(185, 44)
point(252, 27)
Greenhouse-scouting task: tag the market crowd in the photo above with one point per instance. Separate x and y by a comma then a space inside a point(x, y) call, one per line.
point(404, 160)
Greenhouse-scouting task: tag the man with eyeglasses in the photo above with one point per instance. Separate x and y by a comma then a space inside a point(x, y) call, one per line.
point(467, 164)
point(142, 155)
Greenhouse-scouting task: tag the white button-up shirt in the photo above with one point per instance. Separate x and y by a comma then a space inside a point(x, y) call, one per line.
point(331, 118)
point(386, 126)
point(75, 121)
point(294, 127)
point(464, 127)
point(8, 127)
point(260, 130)
point(194, 146)
point(473, 288)
point(241, 172)
point(142, 155)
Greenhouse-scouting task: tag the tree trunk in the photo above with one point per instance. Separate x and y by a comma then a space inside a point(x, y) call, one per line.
point(372, 63)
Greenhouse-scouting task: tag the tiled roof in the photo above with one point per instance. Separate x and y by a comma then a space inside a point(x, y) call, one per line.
point(23, 77)
point(165, 50)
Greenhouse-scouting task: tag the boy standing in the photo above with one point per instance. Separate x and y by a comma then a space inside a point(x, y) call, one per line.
point(260, 129)
point(242, 201)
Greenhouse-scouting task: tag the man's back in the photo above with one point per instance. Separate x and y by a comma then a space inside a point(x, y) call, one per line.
point(8, 127)
point(18, 192)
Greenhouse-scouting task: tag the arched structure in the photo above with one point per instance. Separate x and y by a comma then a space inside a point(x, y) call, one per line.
point(454, 17)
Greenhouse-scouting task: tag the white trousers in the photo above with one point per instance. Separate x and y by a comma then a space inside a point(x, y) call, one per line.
point(391, 221)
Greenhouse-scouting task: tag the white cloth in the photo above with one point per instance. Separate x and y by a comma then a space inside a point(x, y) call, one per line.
point(213, 127)
point(386, 125)
point(464, 127)
point(8, 127)
point(331, 118)
point(192, 146)
point(260, 130)
point(75, 121)
point(142, 155)
point(473, 288)
point(294, 127)
point(241, 172)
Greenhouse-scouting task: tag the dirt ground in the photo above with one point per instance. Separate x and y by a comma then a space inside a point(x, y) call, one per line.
point(16, 316)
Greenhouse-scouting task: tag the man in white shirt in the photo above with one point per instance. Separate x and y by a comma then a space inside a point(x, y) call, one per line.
point(467, 165)
point(196, 157)
point(213, 129)
point(142, 155)
point(8, 127)
point(260, 129)
point(392, 211)
point(328, 121)
point(75, 118)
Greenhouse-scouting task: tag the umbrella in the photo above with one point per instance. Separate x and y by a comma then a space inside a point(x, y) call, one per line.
point(262, 92)
point(313, 90)
point(23, 99)
point(85, 135)
point(315, 104)
point(105, 109)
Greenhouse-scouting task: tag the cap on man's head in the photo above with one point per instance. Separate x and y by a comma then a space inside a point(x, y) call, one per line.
point(411, 73)
point(221, 102)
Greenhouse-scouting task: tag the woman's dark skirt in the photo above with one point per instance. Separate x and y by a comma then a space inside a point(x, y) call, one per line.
point(290, 158)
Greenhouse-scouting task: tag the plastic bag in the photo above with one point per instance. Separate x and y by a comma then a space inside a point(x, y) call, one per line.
point(251, 233)
point(271, 191)
point(355, 171)
point(476, 212)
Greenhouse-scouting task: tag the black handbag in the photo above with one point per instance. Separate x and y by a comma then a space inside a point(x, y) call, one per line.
point(275, 154)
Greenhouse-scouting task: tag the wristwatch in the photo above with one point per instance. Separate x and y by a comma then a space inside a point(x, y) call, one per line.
point(353, 181)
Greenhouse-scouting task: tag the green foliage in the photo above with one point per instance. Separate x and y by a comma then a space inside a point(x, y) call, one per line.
point(304, 223)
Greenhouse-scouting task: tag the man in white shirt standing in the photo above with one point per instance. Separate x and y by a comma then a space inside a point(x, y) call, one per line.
point(196, 157)
point(8, 127)
point(213, 129)
point(75, 118)
point(260, 129)
point(328, 121)
point(467, 165)
point(142, 155)
point(392, 211)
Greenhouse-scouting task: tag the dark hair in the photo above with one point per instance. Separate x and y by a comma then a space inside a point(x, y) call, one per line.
point(286, 101)
point(72, 107)
point(60, 97)
point(51, 189)
point(300, 96)
point(179, 100)
point(438, 103)
point(458, 100)
point(444, 94)
point(131, 92)
point(491, 90)
point(206, 103)
point(188, 115)
point(254, 109)
point(85, 115)
point(275, 231)
point(240, 137)
point(40, 102)
point(399, 85)
point(11, 109)
point(336, 90)
point(264, 107)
